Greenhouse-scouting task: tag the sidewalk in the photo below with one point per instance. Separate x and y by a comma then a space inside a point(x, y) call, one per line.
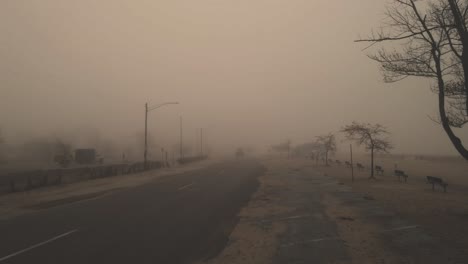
point(300, 215)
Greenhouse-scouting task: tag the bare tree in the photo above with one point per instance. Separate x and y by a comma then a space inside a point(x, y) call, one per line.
point(370, 136)
point(282, 147)
point(328, 145)
point(432, 43)
point(306, 150)
point(459, 41)
point(63, 152)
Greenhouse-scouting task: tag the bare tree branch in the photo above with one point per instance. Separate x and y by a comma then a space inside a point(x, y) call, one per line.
point(432, 42)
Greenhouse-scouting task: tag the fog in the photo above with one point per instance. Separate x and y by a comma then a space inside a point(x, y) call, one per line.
point(249, 72)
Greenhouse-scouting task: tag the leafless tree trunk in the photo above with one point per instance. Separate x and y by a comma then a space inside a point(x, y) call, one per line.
point(326, 157)
point(460, 26)
point(370, 136)
point(435, 45)
point(328, 144)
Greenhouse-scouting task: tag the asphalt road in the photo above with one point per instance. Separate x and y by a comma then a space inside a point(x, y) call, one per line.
point(175, 219)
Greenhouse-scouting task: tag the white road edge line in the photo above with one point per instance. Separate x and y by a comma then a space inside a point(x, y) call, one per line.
point(185, 186)
point(310, 241)
point(38, 245)
point(401, 228)
point(293, 217)
point(284, 219)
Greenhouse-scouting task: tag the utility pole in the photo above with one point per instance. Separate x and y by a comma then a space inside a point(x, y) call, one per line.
point(352, 166)
point(167, 161)
point(146, 138)
point(181, 147)
point(201, 141)
point(148, 109)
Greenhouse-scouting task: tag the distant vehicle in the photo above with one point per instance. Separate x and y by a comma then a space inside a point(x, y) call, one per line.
point(239, 153)
point(85, 156)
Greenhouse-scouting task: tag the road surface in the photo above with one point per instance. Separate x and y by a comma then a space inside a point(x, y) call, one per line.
point(175, 219)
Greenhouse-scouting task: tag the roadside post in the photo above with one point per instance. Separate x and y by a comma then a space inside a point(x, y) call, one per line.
point(352, 166)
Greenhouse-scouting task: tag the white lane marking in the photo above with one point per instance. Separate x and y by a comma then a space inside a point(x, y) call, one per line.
point(284, 219)
point(185, 186)
point(401, 228)
point(293, 217)
point(310, 241)
point(38, 245)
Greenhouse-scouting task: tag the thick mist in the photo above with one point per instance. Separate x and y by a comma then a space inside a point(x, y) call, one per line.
point(250, 73)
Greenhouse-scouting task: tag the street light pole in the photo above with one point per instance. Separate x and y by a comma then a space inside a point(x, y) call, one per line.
point(201, 141)
point(146, 136)
point(148, 109)
point(181, 147)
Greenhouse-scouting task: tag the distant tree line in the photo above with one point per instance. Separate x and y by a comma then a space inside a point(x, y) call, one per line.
point(373, 137)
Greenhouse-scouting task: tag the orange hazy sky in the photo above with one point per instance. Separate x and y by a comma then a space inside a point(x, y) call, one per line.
point(250, 72)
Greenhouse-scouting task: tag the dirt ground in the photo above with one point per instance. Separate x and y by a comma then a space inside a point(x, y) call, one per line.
point(363, 243)
point(253, 240)
point(367, 217)
point(274, 213)
point(445, 215)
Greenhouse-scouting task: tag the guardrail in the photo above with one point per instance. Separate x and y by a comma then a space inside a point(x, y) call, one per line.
point(191, 159)
point(27, 180)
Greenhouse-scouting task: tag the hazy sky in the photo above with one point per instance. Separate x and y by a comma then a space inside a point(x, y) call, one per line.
point(248, 71)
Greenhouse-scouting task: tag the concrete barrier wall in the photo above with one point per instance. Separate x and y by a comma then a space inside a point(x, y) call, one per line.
point(28, 180)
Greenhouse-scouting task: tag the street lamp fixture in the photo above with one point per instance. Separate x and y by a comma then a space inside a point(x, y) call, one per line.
point(148, 109)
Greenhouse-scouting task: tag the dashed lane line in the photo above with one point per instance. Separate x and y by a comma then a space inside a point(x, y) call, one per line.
point(38, 245)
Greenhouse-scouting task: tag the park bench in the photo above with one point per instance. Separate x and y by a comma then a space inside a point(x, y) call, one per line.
point(379, 170)
point(435, 180)
point(401, 174)
point(359, 166)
